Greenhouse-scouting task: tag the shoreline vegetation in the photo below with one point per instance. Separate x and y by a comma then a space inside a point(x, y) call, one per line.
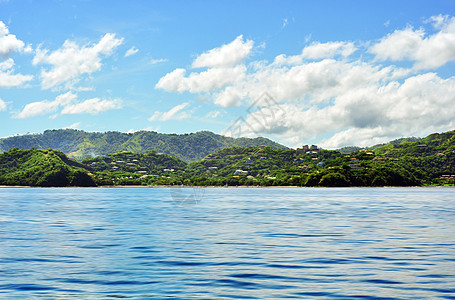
point(221, 187)
point(429, 161)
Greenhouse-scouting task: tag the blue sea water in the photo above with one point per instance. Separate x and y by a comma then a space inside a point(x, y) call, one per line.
point(227, 243)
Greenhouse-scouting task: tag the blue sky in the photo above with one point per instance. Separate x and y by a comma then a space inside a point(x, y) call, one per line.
point(332, 73)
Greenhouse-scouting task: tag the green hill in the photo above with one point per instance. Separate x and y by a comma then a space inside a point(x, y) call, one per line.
point(266, 166)
point(127, 168)
point(80, 144)
point(404, 162)
point(431, 157)
point(36, 167)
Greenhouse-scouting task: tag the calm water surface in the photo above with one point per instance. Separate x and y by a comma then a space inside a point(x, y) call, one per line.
point(234, 243)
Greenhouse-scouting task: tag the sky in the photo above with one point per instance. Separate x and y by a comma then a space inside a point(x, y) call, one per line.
point(330, 73)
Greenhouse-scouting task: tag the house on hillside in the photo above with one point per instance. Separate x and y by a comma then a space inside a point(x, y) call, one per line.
point(240, 172)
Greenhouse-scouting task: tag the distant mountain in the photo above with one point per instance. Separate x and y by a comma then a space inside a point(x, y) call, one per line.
point(36, 167)
point(80, 144)
point(396, 142)
point(349, 149)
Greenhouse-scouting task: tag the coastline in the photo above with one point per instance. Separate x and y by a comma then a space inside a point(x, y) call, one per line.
point(224, 187)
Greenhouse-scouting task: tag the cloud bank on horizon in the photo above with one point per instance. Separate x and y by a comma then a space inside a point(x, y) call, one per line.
point(328, 90)
point(340, 93)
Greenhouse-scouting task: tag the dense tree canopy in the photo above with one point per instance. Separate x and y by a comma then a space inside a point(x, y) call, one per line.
point(79, 144)
point(404, 162)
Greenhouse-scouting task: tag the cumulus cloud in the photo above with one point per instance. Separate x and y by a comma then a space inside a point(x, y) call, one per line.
point(317, 51)
point(368, 115)
point(212, 79)
point(226, 55)
point(133, 50)
point(7, 64)
point(46, 107)
point(2, 105)
point(174, 113)
point(92, 106)
point(8, 78)
point(68, 104)
point(8, 45)
point(71, 61)
point(8, 42)
point(327, 92)
point(224, 68)
point(37, 108)
point(427, 51)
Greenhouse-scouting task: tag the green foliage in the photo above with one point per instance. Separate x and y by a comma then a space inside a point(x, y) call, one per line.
point(406, 162)
point(35, 167)
point(334, 179)
point(128, 168)
point(80, 144)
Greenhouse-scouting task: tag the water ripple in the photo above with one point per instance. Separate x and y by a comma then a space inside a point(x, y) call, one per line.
point(274, 243)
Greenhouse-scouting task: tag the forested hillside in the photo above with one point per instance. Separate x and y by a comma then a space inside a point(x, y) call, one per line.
point(432, 157)
point(128, 168)
point(36, 167)
point(404, 162)
point(80, 144)
point(266, 166)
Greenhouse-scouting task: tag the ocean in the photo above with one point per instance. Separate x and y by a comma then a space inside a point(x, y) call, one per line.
point(227, 243)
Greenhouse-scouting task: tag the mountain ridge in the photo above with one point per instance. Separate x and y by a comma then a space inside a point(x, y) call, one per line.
point(80, 144)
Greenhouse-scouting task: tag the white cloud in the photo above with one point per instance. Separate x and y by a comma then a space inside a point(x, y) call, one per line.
point(92, 106)
point(8, 79)
point(374, 113)
point(65, 99)
point(69, 105)
point(8, 42)
point(213, 78)
point(133, 50)
point(438, 21)
point(174, 113)
point(317, 51)
point(155, 61)
point(327, 50)
point(2, 105)
point(7, 64)
point(37, 108)
point(399, 45)
point(8, 45)
point(73, 126)
point(214, 114)
point(46, 107)
point(427, 51)
point(226, 55)
point(71, 60)
point(326, 92)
